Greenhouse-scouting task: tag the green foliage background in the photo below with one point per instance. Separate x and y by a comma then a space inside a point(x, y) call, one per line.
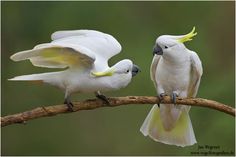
point(136, 25)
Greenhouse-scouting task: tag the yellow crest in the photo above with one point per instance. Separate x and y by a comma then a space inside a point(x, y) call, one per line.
point(188, 37)
point(105, 73)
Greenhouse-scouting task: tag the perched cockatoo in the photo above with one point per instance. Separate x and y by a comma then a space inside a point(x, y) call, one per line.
point(175, 71)
point(84, 55)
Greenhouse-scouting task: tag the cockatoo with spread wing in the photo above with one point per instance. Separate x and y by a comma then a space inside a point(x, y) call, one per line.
point(84, 55)
point(175, 71)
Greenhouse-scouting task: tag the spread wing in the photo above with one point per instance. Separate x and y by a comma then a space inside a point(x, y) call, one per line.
point(73, 48)
point(196, 73)
point(57, 56)
point(103, 45)
point(153, 68)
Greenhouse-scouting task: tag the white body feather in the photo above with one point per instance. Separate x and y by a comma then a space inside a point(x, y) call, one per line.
point(73, 81)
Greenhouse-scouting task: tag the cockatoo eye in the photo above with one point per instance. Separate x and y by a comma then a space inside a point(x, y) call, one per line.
point(166, 47)
point(127, 71)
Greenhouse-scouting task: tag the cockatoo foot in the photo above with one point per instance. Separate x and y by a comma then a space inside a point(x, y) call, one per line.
point(102, 97)
point(173, 97)
point(69, 105)
point(161, 97)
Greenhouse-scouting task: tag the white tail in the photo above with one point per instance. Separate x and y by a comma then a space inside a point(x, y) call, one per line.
point(181, 135)
point(33, 77)
point(51, 77)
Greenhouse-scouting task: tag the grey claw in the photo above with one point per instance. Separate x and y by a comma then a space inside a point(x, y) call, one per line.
point(161, 96)
point(173, 97)
point(103, 98)
point(69, 105)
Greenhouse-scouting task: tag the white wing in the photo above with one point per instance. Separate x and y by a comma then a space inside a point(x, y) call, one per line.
point(73, 48)
point(196, 73)
point(83, 32)
point(153, 68)
point(104, 46)
point(57, 56)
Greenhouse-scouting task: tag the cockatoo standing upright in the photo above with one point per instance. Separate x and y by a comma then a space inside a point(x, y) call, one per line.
point(85, 54)
point(175, 71)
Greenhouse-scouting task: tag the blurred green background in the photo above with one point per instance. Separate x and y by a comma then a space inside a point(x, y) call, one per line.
point(136, 25)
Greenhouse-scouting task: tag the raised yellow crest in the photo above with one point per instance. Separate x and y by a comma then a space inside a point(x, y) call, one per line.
point(188, 37)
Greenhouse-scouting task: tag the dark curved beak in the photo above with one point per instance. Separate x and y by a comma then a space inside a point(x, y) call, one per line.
point(135, 70)
point(157, 50)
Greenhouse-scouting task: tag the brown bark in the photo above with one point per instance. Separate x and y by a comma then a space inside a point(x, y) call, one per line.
point(116, 101)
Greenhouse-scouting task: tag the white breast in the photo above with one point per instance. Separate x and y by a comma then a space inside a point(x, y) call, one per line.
point(173, 77)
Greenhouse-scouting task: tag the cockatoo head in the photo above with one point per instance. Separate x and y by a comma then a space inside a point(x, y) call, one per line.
point(125, 67)
point(120, 74)
point(172, 46)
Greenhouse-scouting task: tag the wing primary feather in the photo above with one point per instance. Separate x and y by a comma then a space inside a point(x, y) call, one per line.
point(196, 73)
point(75, 48)
point(153, 68)
point(55, 56)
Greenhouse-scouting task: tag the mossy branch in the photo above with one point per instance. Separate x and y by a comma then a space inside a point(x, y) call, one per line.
point(115, 101)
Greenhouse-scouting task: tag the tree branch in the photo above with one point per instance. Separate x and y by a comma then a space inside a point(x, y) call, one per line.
point(116, 101)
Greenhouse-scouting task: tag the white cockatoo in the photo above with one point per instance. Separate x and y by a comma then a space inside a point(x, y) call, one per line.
point(175, 71)
point(84, 55)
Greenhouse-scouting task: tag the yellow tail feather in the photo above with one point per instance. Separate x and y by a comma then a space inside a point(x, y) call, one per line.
point(181, 135)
